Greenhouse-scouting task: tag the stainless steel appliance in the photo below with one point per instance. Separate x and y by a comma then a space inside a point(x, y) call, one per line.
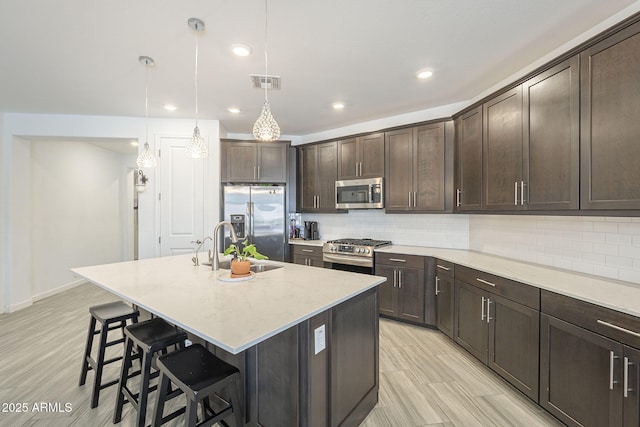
point(355, 255)
point(257, 213)
point(311, 230)
point(360, 194)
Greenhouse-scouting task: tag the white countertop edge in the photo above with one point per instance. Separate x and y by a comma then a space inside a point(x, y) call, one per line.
point(610, 293)
point(306, 242)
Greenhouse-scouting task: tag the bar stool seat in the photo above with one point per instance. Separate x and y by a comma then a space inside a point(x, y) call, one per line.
point(151, 336)
point(111, 316)
point(200, 375)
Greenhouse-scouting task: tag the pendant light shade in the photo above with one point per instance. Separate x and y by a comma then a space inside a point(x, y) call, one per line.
point(146, 158)
point(196, 147)
point(266, 128)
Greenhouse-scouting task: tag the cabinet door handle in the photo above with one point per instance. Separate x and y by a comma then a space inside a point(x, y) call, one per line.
point(395, 278)
point(357, 174)
point(458, 193)
point(522, 192)
point(626, 390)
point(515, 196)
point(360, 173)
point(255, 172)
point(415, 203)
point(437, 281)
point(618, 328)
point(258, 171)
point(482, 315)
point(409, 198)
point(443, 267)
point(612, 358)
point(488, 310)
point(400, 278)
point(485, 282)
point(397, 260)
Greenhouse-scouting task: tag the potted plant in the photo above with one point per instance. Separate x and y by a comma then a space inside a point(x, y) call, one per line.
point(240, 264)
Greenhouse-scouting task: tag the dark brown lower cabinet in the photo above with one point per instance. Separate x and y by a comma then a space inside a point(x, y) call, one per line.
point(308, 255)
point(445, 302)
point(402, 296)
point(587, 379)
point(501, 333)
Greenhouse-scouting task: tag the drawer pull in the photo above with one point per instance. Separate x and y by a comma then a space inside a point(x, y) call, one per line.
point(397, 260)
point(618, 328)
point(307, 250)
point(485, 282)
point(443, 267)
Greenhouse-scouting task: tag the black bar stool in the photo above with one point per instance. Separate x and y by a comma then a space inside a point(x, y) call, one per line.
point(150, 337)
point(200, 375)
point(113, 315)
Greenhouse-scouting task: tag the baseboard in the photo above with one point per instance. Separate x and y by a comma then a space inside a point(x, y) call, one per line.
point(57, 290)
point(15, 307)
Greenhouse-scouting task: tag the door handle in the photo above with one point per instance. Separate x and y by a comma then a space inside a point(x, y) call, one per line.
point(399, 278)
point(437, 281)
point(409, 198)
point(258, 171)
point(612, 358)
point(482, 313)
point(395, 278)
point(458, 193)
point(488, 310)
point(522, 192)
point(515, 196)
point(626, 390)
point(414, 199)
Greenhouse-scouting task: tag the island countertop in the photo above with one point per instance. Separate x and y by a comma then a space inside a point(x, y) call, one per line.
point(231, 315)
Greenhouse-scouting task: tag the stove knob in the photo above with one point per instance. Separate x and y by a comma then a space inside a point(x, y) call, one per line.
point(366, 251)
point(358, 250)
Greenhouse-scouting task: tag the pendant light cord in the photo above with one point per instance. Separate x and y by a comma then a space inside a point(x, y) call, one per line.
point(196, 76)
point(266, 62)
point(146, 102)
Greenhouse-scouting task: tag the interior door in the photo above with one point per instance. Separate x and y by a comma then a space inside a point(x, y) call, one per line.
point(181, 198)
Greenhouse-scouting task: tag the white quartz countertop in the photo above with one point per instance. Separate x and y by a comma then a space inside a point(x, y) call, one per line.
point(306, 242)
point(231, 315)
point(613, 294)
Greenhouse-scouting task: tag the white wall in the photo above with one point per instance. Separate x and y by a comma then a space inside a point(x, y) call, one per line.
point(604, 246)
point(78, 203)
point(18, 128)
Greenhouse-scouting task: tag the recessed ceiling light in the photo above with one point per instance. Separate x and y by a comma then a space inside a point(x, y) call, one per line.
point(337, 105)
point(240, 49)
point(233, 110)
point(170, 107)
point(424, 74)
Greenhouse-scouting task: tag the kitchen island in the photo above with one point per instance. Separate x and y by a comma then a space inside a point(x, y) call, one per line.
point(305, 339)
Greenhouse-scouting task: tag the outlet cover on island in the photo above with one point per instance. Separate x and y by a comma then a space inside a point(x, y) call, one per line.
point(319, 339)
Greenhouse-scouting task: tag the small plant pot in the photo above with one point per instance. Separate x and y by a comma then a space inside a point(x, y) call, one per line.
point(240, 268)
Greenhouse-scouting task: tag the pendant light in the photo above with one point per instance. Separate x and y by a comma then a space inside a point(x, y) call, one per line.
point(146, 158)
point(266, 128)
point(196, 147)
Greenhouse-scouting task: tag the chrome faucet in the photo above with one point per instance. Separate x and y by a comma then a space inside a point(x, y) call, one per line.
point(215, 262)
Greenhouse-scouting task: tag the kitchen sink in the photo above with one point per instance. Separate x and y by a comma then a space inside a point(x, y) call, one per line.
point(256, 268)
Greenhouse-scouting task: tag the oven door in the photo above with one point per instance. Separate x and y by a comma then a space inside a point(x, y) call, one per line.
point(353, 264)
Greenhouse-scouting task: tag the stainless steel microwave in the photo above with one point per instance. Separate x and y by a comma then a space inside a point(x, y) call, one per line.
point(360, 194)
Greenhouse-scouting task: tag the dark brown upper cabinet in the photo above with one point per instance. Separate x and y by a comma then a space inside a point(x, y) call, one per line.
point(361, 157)
point(416, 168)
point(610, 122)
point(469, 161)
point(502, 151)
point(245, 161)
point(317, 175)
point(551, 154)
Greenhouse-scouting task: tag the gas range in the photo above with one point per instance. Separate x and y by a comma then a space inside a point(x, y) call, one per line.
point(357, 252)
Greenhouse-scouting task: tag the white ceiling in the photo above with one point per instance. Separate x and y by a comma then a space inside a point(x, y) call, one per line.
point(81, 56)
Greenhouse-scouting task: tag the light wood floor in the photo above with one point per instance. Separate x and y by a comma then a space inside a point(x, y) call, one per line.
point(425, 379)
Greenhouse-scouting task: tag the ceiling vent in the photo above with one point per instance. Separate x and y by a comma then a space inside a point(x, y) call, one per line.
point(260, 81)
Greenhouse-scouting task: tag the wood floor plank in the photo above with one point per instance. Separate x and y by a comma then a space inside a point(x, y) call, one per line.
point(425, 378)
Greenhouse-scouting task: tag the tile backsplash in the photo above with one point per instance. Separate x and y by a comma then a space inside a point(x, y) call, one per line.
point(603, 246)
point(446, 231)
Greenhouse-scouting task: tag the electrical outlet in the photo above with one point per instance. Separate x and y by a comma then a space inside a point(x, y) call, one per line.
point(187, 343)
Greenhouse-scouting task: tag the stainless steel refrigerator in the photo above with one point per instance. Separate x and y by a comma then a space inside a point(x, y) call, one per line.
point(257, 213)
